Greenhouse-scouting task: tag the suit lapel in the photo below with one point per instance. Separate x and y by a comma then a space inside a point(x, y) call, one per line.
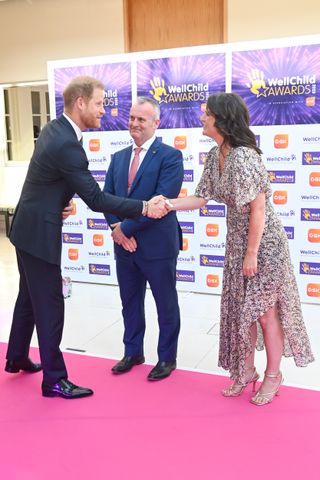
point(149, 157)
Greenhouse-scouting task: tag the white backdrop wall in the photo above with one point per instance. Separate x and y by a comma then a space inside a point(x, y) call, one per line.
point(278, 79)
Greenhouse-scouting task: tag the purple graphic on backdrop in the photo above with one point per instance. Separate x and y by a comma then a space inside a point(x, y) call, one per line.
point(118, 97)
point(281, 86)
point(181, 85)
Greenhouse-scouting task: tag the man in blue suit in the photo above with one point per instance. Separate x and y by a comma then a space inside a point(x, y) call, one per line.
point(146, 249)
point(58, 169)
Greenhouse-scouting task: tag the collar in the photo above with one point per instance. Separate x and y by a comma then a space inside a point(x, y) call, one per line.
point(74, 126)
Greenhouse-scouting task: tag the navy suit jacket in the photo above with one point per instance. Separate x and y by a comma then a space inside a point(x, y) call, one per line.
point(161, 172)
point(58, 169)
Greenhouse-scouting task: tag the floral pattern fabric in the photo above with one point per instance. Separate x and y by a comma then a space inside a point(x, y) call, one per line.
point(243, 299)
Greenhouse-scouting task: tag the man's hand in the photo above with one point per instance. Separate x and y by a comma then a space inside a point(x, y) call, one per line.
point(67, 210)
point(129, 244)
point(157, 207)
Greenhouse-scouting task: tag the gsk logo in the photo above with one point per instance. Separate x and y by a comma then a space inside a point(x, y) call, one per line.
point(212, 280)
point(94, 145)
point(310, 101)
point(280, 197)
point(281, 140)
point(212, 230)
point(180, 142)
point(73, 254)
point(98, 239)
point(313, 289)
point(114, 112)
point(74, 209)
point(185, 244)
point(183, 193)
point(314, 179)
point(314, 235)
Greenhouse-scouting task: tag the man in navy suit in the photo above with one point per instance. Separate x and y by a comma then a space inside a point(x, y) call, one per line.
point(146, 249)
point(58, 169)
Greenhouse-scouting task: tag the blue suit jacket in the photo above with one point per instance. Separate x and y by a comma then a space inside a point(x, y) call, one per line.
point(58, 169)
point(161, 172)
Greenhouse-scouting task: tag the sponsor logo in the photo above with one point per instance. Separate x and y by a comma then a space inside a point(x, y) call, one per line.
point(98, 239)
point(188, 176)
point(212, 230)
point(185, 276)
point(74, 268)
point(212, 281)
point(72, 238)
point(280, 197)
point(313, 289)
point(310, 214)
point(99, 175)
point(180, 142)
point(97, 224)
point(310, 101)
point(94, 144)
point(203, 158)
point(187, 227)
point(211, 261)
point(185, 244)
point(314, 179)
point(72, 223)
point(189, 260)
point(282, 176)
point(213, 211)
point(314, 235)
point(73, 254)
point(290, 232)
point(308, 268)
point(98, 269)
point(74, 209)
point(282, 159)
point(310, 158)
point(281, 140)
point(211, 246)
point(114, 112)
point(183, 193)
point(103, 254)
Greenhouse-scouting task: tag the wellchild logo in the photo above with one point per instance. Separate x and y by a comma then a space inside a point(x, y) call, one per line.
point(99, 175)
point(290, 232)
point(98, 269)
point(282, 176)
point(310, 158)
point(188, 176)
point(203, 158)
point(97, 224)
point(187, 227)
point(308, 268)
point(314, 235)
point(187, 92)
point(211, 261)
point(72, 238)
point(185, 276)
point(310, 214)
point(212, 280)
point(278, 87)
point(213, 211)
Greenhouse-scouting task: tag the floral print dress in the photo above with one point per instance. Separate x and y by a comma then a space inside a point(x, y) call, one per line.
point(244, 299)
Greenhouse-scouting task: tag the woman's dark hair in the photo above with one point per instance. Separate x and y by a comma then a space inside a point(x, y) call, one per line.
point(232, 120)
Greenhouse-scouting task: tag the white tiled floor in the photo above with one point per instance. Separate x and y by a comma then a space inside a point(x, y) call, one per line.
point(94, 324)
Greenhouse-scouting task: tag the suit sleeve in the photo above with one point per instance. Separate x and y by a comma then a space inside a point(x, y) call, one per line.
point(169, 184)
point(74, 168)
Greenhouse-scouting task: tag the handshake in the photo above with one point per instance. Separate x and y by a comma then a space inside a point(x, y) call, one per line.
point(158, 207)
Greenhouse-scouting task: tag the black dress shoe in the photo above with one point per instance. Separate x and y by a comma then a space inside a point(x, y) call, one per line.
point(127, 363)
point(27, 365)
point(65, 389)
point(162, 370)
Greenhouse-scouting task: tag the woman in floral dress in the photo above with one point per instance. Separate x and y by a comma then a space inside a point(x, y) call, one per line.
point(259, 287)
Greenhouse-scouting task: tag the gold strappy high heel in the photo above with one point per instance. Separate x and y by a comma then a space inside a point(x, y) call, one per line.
point(265, 398)
point(237, 388)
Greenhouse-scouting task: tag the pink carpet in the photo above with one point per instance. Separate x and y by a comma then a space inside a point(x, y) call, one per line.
point(178, 429)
